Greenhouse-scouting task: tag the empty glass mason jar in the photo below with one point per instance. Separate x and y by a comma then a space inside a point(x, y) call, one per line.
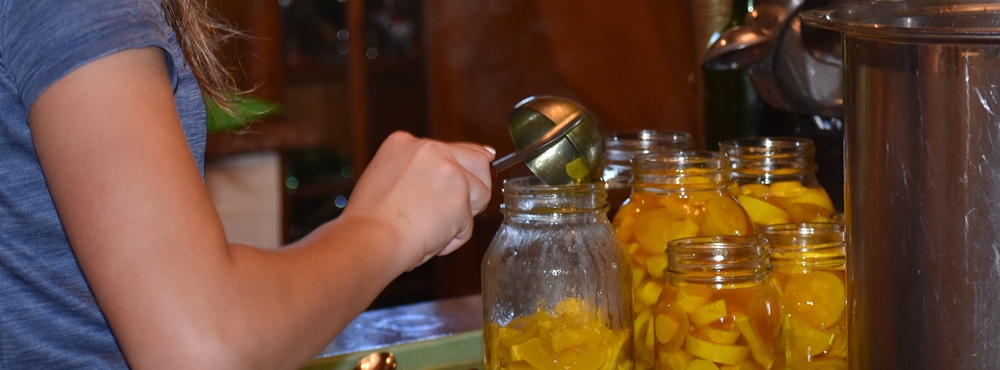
point(620, 147)
point(556, 283)
point(777, 179)
point(675, 195)
point(718, 310)
point(809, 266)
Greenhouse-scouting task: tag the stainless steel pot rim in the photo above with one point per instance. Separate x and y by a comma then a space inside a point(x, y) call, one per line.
point(900, 20)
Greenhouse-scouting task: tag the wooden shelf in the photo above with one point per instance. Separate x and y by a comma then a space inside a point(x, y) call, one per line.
point(266, 135)
point(316, 73)
point(383, 94)
point(332, 72)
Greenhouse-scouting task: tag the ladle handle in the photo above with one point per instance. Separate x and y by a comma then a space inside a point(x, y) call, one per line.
point(551, 138)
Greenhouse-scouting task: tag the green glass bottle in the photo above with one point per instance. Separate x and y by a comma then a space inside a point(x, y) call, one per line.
point(733, 109)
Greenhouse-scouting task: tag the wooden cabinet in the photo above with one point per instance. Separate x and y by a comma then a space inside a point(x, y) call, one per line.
point(256, 60)
point(347, 74)
point(631, 63)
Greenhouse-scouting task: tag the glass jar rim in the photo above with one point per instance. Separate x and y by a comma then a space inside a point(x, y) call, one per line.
point(770, 158)
point(681, 169)
point(621, 146)
point(803, 234)
point(536, 185)
point(531, 194)
point(718, 258)
point(820, 242)
point(683, 159)
point(768, 146)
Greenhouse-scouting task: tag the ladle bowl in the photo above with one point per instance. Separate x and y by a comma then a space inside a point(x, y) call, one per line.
point(558, 140)
point(737, 48)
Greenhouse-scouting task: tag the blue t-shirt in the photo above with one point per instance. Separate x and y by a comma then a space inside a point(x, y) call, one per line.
point(48, 316)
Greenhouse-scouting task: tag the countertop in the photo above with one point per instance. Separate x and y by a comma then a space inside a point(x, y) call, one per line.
point(392, 326)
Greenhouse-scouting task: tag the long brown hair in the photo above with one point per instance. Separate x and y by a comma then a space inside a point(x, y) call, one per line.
point(200, 36)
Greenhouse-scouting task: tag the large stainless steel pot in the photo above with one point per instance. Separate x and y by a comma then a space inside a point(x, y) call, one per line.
point(922, 131)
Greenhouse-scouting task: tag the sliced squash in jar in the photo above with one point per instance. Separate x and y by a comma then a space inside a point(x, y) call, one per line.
point(757, 346)
point(720, 353)
point(818, 298)
point(711, 312)
point(702, 365)
point(763, 213)
point(672, 327)
point(726, 217)
point(804, 339)
point(717, 336)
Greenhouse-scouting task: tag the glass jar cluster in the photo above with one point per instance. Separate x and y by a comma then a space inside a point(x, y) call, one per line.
point(685, 199)
point(717, 260)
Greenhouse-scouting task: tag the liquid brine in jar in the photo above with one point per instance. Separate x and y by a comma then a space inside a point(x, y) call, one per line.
point(675, 195)
point(556, 282)
point(809, 275)
point(777, 180)
point(621, 147)
point(718, 310)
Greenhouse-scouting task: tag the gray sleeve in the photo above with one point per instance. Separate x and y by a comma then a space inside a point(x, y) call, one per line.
point(43, 40)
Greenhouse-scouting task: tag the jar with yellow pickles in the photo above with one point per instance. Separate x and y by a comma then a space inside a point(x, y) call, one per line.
point(718, 310)
point(622, 146)
point(809, 268)
point(777, 180)
point(556, 282)
point(675, 195)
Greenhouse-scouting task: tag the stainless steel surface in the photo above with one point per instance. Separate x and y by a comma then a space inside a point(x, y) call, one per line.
point(801, 69)
point(377, 361)
point(762, 76)
point(743, 46)
point(769, 15)
point(558, 132)
point(577, 158)
point(792, 69)
point(737, 48)
point(809, 77)
point(923, 183)
point(381, 328)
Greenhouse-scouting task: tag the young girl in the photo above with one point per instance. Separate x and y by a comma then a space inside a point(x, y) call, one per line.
point(111, 254)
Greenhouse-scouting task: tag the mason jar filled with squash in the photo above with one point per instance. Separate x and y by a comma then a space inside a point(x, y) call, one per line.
point(777, 180)
point(809, 267)
point(718, 310)
point(556, 283)
point(675, 195)
point(621, 147)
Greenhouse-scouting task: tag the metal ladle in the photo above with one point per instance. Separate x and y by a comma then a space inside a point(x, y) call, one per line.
point(743, 46)
point(737, 48)
point(557, 139)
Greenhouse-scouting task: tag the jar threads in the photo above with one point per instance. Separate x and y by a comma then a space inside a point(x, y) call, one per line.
point(809, 262)
point(621, 147)
point(718, 308)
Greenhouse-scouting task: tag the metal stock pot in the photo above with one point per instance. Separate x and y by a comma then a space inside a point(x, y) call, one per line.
point(922, 131)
